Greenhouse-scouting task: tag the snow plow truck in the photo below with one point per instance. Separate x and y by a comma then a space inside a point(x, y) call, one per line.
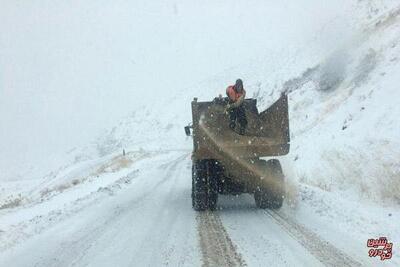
point(226, 162)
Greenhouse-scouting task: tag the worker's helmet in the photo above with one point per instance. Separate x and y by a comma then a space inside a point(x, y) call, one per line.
point(239, 85)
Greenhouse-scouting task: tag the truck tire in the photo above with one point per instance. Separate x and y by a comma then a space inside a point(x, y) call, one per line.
point(212, 184)
point(204, 185)
point(199, 186)
point(268, 199)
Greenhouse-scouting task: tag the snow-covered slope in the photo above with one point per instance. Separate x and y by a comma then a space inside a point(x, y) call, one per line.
point(345, 115)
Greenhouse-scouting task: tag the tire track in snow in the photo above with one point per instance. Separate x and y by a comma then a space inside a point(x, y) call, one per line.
point(216, 246)
point(325, 252)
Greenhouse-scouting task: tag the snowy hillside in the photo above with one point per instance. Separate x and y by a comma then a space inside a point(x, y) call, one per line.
point(338, 62)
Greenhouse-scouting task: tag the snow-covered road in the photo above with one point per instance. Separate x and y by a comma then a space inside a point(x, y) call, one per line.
point(148, 221)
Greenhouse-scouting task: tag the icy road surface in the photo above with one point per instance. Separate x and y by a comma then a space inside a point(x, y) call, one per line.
point(141, 215)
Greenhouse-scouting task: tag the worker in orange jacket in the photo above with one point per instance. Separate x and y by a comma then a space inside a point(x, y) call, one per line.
point(235, 107)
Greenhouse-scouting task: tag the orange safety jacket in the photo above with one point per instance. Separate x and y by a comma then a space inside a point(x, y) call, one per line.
point(232, 94)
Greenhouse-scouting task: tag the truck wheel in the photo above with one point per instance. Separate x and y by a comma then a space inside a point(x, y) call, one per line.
point(261, 198)
point(268, 198)
point(276, 199)
point(212, 184)
point(199, 186)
